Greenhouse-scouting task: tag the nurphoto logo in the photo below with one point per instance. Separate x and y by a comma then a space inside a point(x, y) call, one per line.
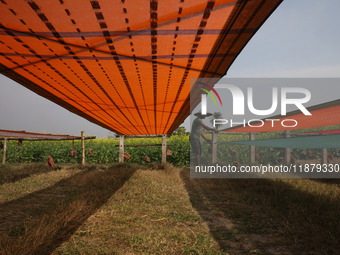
point(282, 100)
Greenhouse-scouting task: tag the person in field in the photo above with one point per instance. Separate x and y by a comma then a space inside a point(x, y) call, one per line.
point(196, 133)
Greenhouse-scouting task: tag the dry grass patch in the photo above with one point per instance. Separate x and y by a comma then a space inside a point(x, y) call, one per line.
point(159, 209)
point(270, 216)
point(40, 221)
point(150, 214)
point(12, 173)
point(36, 180)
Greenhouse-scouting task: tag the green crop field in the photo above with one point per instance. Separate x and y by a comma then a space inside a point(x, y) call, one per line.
point(106, 150)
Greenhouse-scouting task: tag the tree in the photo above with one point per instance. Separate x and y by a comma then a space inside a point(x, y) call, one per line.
point(112, 135)
point(180, 131)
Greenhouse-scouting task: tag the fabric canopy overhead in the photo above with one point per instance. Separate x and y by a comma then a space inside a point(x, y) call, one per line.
point(124, 65)
point(326, 114)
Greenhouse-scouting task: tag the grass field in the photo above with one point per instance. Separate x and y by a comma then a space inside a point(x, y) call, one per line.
point(159, 209)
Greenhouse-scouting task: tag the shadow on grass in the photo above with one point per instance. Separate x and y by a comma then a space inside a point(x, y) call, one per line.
point(328, 181)
point(9, 173)
point(39, 222)
point(286, 216)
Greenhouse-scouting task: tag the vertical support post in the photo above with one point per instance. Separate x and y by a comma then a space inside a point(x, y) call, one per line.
point(82, 148)
point(324, 157)
point(121, 149)
point(19, 153)
point(288, 151)
point(163, 148)
point(214, 147)
point(252, 148)
point(4, 151)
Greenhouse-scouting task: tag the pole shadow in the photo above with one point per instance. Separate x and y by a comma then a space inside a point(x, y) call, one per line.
point(8, 174)
point(41, 221)
point(267, 215)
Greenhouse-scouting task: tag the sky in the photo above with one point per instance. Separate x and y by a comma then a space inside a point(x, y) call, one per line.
point(300, 39)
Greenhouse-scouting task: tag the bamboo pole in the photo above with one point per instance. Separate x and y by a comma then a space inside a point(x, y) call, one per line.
point(252, 148)
point(4, 151)
point(142, 145)
point(214, 148)
point(163, 148)
point(82, 148)
point(143, 136)
point(121, 149)
point(49, 139)
point(324, 155)
point(288, 151)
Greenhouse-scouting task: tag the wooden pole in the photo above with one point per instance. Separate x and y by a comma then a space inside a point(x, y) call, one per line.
point(214, 147)
point(4, 151)
point(288, 151)
point(252, 148)
point(324, 155)
point(121, 149)
point(82, 148)
point(19, 154)
point(143, 145)
point(163, 148)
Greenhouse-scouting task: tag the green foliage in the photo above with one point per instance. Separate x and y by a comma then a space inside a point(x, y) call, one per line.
point(180, 131)
point(104, 151)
